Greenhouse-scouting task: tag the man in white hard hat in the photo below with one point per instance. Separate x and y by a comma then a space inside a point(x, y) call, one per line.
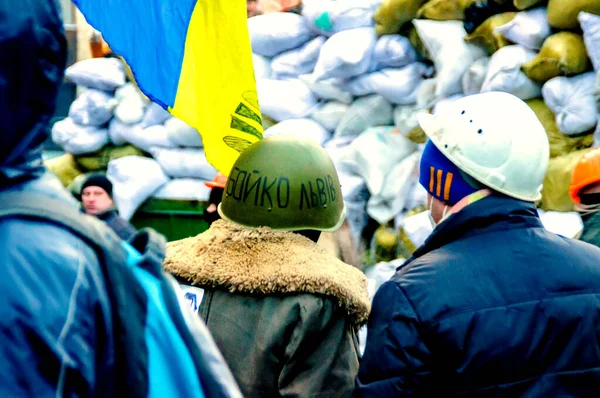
point(492, 304)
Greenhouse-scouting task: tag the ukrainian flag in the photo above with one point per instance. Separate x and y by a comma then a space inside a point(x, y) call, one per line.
point(194, 58)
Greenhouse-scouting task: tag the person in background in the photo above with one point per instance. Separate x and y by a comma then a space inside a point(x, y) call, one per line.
point(217, 187)
point(585, 192)
point(283, 311)
point(492, 304)
point(96, 197)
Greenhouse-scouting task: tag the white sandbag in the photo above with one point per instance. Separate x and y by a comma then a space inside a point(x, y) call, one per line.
point(182, 134)
point(374, 153)
point(329, 114)
point(118, 132)
point(262, 67)
point(184, 163)
point(590, 24)
point(572, 101)
point(276, 32)
point(380, 273)
point(398, 86)
point(134, 179)
point(395, 191)
point(405, 118)
point(155, 114)
point(328, 89)
point(451, 55)
point(346, 54)
point(441, 105)
point(149, 137)
point(131, 107)
point(475, 76)
point(302, 128)
point(392, 51)
point(299, 61)
point(529, 28)
point(370, 111)
point(504, 73)
point(356, 212)
point(328, 17)
point(426, 93)
point(418, 228)
point(285, 99)
point(92, 108)
point(105, 74)
point(78, 139)
point(568, 225)
point(184, 189)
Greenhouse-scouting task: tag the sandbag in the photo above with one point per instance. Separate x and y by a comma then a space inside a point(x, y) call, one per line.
point(285, 99)
point(301, 128)
point(411, 32)
point(92, 108)
point(525, 4)
point(452, 56)
point(560, 144)
point(328, 17)
point(274, 33)
point(555, 194)
point(99, 160)
point(328, 89)
point(149, 137)
point(426, 93)
point(262, 67)
point(562, 54)
point(77, 139)
point(155, 114)
point(398, 86)
point(568, 225)
point(132, 105)
point(562, 14)
point(443, 10)
point(384, 245)
point(572, 100)
point(184, 163)
point(446, 103)
point(105, 74)
point(475, 76)
point(184, 189)
point(590, 24)
point(528, 28)
point(346, 54)
point(64, 167)
point(486, 35)
point(374, 153)
point(504, 73)
point(370, 111)
point(134, 180)
point(299, 61)
point(329, 114)
point(478, 11)
point(182, 134)
point(392, 14)
point(119, 131)
point(405, 118)
point(392, 51)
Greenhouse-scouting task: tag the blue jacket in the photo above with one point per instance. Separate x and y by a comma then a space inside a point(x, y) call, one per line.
point(491, 305)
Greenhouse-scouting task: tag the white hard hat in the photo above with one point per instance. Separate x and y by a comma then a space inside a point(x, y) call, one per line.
point(495, 138)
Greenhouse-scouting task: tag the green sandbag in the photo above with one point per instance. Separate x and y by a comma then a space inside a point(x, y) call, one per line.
point(486, 36)
point(555, 194)
point(64, 167)
point(562, 14)
point(525, 4)
point(99, 160)
point(393, 14)
point(560, 144)
point(417, 135)
point(562, 54)
point(411, 32)
point(443, 10)
point(385, 244)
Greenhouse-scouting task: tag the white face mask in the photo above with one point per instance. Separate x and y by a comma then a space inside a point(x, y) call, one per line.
point(444, 215)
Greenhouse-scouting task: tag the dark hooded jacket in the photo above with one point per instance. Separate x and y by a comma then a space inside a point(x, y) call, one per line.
point(492, 305)
point(122, 228)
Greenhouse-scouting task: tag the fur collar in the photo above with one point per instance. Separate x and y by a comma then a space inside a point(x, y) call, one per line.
point(264, 261)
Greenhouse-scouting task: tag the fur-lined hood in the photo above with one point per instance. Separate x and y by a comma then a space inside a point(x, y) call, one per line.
point(264, 261)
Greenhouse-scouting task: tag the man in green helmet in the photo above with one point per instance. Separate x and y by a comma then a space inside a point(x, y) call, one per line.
point(283, 311)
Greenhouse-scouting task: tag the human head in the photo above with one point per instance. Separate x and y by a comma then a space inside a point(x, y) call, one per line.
point(216, 196)
point(284, 183)
point(96, 195)
point(585, 179)
point(33, 48)
point(495, 139)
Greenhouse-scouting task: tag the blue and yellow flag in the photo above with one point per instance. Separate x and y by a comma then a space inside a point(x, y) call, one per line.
point(194, 58)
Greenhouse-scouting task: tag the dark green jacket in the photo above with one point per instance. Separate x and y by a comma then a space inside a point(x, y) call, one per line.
point(591, 229)
point(283, 311)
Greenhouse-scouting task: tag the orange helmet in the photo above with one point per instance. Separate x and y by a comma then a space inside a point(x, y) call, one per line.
point(586, 172)
point(219, 182)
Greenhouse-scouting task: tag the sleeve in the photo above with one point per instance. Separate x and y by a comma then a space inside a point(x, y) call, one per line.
point(322, 356)
point(396, 361)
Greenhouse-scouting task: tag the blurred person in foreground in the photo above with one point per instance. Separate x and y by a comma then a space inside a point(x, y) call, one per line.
point(585, 193)
point(492, 304)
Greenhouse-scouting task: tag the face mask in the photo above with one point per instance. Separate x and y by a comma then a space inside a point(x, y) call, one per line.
point(431, 220)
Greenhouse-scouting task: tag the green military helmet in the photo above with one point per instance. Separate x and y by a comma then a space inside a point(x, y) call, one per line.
point(284, 183)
